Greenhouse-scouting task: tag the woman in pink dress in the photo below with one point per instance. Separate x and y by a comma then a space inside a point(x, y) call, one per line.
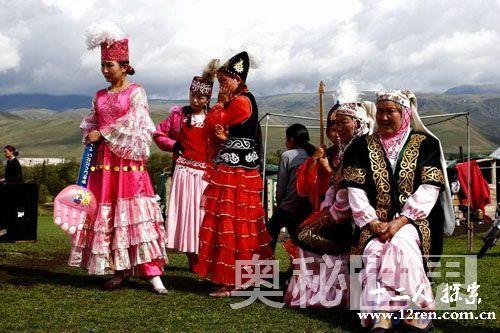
point(183, 133)
point(127, 237)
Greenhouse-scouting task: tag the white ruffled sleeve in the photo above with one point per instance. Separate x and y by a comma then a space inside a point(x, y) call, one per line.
point(362, 212)
point(419, 204)
point(341, 210)
point(131, 135)
point(329, 198)
point(89, 123)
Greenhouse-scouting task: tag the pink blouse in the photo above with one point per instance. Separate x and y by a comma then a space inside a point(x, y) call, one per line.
point(123, 120)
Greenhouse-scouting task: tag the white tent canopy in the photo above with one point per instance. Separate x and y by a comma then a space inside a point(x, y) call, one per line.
point(496, 154)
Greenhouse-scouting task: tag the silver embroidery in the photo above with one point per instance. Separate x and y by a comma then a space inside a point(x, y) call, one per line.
point(230, 158)
point(239, 143)
point(251, 157)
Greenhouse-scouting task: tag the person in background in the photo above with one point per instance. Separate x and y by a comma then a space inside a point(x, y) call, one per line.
point(291, 209)
point(13, 170)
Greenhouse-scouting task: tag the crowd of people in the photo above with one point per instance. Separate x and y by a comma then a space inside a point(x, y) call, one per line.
point(380, 189)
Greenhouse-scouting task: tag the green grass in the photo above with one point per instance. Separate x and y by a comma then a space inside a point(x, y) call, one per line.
point(39, 292)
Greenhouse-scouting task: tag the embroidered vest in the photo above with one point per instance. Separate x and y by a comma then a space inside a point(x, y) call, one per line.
point(244, 144)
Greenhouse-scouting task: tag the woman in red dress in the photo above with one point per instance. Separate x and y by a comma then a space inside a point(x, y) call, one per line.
point(233, 227)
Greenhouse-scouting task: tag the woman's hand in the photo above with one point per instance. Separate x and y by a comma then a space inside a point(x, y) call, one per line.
point(378, 227)
point(325, 164)
point(319, 153)
point(221, 133)
point(93, 136)
point(2, 180)
point(225, 94)
point(394, 227)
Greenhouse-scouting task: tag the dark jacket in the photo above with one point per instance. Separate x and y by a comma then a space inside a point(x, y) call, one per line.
point(13, 172)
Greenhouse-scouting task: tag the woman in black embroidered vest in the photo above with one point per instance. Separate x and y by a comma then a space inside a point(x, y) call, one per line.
point(233, 227)
point(395, 180)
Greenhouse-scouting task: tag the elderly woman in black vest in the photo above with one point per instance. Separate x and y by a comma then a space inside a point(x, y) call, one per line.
point(401, 204)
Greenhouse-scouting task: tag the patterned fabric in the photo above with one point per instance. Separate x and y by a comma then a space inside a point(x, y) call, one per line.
point(124, 122)
point(233, 227)
point(201, 86)
point(239, 152)
point(388, 194)
point(128, 230)
point(398, 96)
point(116, 51)
point(354, 174)
point(244, 144)
point(237, 65)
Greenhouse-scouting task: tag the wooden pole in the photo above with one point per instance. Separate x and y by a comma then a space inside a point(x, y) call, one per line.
point(321, 92)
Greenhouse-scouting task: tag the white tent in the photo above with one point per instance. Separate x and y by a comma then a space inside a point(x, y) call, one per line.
point(496, 154)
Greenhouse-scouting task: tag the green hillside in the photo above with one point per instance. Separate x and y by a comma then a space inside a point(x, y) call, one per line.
point(47, 133)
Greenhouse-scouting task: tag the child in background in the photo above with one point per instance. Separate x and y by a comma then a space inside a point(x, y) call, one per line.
point(291, 208)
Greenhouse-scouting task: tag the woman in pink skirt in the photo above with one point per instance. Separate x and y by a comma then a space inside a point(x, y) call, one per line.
point(127, 237)
point(183, 134)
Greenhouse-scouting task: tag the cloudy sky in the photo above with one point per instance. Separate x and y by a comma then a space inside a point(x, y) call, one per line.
point(421, 45)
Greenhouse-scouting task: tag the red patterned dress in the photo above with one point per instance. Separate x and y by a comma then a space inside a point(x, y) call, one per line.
point(233, 227)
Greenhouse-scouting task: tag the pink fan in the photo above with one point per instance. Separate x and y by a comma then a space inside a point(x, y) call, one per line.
point(75, 204)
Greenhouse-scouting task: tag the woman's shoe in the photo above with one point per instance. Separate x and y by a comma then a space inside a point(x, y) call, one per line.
point(160, 291)
point(222, 292)
point(115, 282)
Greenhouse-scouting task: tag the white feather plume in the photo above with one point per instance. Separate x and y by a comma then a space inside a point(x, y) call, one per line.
point(347, 92)
point(210, 70)
point(255, 54)
point(256, 57)
point(102, 32)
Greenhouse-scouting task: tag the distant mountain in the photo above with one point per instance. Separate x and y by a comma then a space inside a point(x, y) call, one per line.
point(45, 132)
point(483, 89)
point(43, 101)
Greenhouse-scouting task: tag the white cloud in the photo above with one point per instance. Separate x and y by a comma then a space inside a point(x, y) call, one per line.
point(74, 8)
point(422, 45)
point(9, 54)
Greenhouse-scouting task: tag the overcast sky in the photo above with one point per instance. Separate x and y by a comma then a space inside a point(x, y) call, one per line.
point(419, 45)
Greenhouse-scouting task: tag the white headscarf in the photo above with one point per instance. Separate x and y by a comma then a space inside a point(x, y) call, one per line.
point(407, 99)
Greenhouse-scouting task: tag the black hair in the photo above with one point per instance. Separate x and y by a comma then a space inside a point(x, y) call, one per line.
point(300, 136)
point(330, 122)
point(130, 69)
point(11, 149)
point(187, 111)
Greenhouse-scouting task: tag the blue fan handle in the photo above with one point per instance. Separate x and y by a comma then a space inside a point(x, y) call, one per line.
point(84, 172)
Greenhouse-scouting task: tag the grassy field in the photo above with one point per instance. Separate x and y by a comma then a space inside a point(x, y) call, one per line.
point(39, 292)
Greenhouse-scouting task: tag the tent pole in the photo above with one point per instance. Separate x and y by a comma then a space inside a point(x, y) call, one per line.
point(264, 163)
point(470, 227)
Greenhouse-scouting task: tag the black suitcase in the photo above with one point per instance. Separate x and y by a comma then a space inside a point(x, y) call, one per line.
point(18, 212)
